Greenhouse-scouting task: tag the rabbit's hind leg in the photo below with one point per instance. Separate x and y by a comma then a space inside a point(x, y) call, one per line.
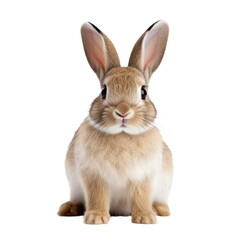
point(71, 209)
point(161, 209)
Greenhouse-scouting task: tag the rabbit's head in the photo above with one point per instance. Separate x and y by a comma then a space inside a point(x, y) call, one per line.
point(124, 104)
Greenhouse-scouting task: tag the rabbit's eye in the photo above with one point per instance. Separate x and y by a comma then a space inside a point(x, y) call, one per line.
point(104, 92)
point(143, 93)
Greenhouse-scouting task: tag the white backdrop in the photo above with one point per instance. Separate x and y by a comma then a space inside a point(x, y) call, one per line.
point(46, 88)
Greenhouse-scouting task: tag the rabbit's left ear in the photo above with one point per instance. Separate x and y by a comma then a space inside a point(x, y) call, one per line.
point(100, 52)
point(148, 51)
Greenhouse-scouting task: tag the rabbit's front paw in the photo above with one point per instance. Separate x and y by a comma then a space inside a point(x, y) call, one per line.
point(96, 217)
point(144, 218)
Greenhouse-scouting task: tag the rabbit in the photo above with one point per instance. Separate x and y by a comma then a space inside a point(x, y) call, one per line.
point(117, 163)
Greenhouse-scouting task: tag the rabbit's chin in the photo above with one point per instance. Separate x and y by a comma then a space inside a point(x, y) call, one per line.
point(129, 129)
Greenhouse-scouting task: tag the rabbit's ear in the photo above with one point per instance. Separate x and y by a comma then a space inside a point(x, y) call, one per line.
point(99, 50)
point(148, 51)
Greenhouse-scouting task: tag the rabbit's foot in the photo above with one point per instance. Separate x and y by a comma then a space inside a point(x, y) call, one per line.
point(71, 209)
point(161, 209)
point(144, 218)
point(96, 217)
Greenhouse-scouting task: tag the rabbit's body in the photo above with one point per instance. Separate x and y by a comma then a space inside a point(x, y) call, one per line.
point(117, 162)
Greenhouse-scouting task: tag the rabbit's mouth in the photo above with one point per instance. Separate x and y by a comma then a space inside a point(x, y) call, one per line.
point(123, 124)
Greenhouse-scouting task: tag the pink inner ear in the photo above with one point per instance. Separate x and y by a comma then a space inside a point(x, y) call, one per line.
point(97, 50)
point(146, 64)
point(150, 49)
point(100, 61)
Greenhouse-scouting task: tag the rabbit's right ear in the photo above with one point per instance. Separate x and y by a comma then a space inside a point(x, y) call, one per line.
point(100, 52)
point(148, 51)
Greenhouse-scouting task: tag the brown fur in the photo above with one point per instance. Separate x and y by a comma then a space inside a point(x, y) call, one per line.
point(105, 60)
point(138, 54)
point(123, 82)
point(123, 108)
point(68, 209)
point(140, 203)
point(112, 57)
point(114, 147)
point(97, 202)
point(161, 209)
point(102, 151)
point(167, 158)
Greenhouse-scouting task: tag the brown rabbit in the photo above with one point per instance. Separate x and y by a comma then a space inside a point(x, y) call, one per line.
point(117, 162)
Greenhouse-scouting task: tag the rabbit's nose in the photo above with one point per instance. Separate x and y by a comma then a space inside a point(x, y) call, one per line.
point(123, 110)
point(121, 115)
